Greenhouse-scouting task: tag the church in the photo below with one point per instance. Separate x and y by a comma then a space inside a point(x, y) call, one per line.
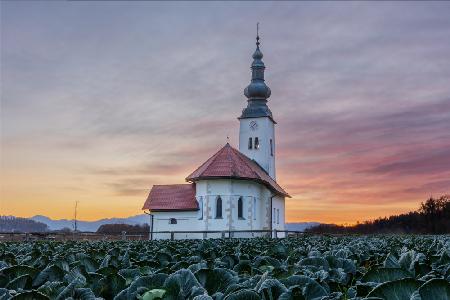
point(234, 192)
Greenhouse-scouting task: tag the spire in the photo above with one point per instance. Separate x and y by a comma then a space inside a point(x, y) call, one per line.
point(257, 91)
point(257, 34)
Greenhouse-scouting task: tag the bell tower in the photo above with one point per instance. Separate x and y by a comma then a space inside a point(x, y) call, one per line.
point(257, 126)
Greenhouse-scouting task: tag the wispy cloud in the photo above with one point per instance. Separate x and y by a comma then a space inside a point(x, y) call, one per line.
point(433, 162)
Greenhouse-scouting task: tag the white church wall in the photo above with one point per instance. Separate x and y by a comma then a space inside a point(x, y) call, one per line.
point(215, 189)
point(265, 213)
point(278, 214)
point(256, 206)
point(257, 214)
point(201, 187)
point(265, 131)
point(186, 221)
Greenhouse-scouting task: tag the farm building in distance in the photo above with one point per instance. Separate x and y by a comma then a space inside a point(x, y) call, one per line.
point(234, 189)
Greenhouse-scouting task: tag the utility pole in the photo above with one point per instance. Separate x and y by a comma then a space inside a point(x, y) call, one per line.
point(75, 218)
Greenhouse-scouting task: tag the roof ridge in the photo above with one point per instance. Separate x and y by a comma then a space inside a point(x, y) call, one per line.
point(233, 163)
point(241, 155)
point(261, 168)
point(255, 162)
point(209, 161)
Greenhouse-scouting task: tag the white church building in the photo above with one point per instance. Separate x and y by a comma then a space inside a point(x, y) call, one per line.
point(233, 192)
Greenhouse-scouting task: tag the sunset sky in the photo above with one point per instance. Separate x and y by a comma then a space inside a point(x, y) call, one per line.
point(101, 100)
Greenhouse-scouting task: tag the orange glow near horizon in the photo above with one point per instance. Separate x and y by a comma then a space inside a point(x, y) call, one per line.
point(53, 191)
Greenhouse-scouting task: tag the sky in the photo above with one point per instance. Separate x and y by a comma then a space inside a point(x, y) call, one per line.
point(102, 100)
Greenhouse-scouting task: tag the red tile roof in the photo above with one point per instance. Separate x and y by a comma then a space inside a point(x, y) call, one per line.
point(230, 163)
point(171, 197)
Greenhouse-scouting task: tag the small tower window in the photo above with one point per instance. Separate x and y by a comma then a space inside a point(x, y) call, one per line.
point(278, 216)
point(172, 221)
point(271, 147)
point(256, 143)
point(219, 208)
point(250, 143)
point(240, 208)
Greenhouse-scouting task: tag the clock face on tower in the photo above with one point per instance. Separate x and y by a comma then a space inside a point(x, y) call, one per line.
point(253, 125)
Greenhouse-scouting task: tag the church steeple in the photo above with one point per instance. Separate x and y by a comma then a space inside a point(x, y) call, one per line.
point(257, 91)
point(257, 127)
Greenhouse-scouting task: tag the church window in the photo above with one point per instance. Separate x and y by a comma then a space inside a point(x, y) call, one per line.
point(274, 215)
point(254, 208)
point(271, 147)
point(219, 208)
point(240, 208)
point(172, 221)
point(256, 143)
point(278, 216)
point(200, 207)
point(250, 143)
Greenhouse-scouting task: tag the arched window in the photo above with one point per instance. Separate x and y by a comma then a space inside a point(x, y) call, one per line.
point(274, 215)
point(219, 208)
point(200, 207)
point(254, 208)
point(172, 221)
point(271, 147)
point(250, 143)
point(240, 208)
point(256, 143)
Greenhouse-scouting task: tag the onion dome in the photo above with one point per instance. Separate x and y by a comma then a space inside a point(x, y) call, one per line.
point(257, 91)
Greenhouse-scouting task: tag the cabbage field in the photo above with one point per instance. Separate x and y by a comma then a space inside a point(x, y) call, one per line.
point(306, 267)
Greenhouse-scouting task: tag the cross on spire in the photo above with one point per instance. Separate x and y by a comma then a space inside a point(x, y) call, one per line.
point(257, 34)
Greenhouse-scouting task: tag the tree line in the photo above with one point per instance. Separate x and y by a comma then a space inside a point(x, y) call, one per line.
point(119, 228)
point(432, 217)
point(22, 225)
point(14, 224)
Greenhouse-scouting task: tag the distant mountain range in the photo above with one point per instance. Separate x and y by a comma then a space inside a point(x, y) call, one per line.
point(134, 220)
point(89, 225)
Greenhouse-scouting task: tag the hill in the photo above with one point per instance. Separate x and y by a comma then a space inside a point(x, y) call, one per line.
point(300, 226)
point(433, 217)
point(14, 224)
point(90, 226)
